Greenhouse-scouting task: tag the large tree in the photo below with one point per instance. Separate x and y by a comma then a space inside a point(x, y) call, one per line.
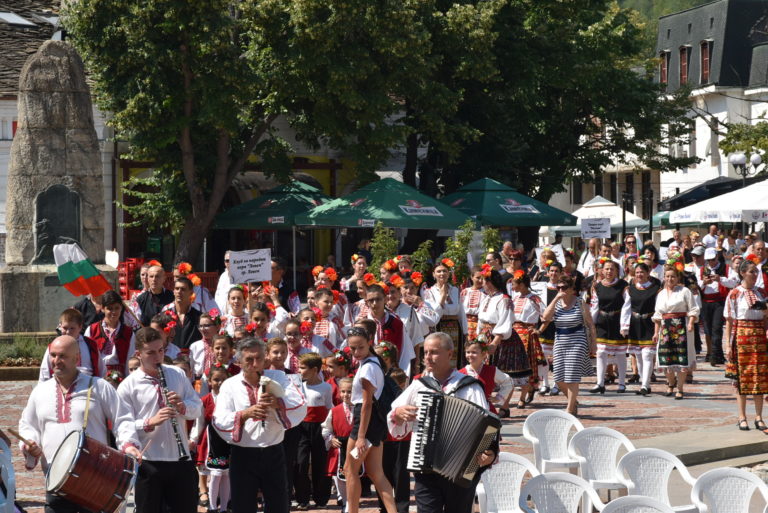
point(196, 85)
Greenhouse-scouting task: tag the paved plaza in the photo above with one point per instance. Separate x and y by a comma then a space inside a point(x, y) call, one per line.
point(696, 427)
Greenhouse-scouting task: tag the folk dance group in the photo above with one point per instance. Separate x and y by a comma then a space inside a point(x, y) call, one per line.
point(264, 401)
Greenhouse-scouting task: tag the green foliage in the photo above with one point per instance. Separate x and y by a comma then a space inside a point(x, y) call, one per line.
point(421, 257)
point(745, 138)
point(22, 351)
point(457, 248)
point(160, 201)
point(384, 245)
point(491, 239)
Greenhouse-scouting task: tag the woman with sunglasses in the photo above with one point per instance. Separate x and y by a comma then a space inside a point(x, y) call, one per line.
point(609, 299)
point(674, 318)
point(745, 345)
point(570, 360)
point(369, 425)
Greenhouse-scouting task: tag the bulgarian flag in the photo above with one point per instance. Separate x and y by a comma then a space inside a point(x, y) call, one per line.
point(77, 273)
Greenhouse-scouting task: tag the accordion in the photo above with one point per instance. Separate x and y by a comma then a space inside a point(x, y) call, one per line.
point(448, 435)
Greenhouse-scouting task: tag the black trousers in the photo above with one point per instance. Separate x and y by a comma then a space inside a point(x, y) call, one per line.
point(435, 494)
point(252, 469)
point(290, 446)
point(696, 338)
point(56, 504)
point(171, 483)
point(311, 449)
point(394, 460)
point(712, 317)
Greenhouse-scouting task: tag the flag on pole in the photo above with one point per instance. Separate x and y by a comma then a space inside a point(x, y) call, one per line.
point(77, 273)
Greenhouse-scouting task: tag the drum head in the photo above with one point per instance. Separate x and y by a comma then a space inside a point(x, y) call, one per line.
point(63, 461)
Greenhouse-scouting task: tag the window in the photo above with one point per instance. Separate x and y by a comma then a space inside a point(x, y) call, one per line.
point(664, 67)
point(599, 185)
point(614, 188)
point(685, 56)
point(647, 193)
point(711, 22)
point(577, 196)
point(669, 33)
point(692, 140)
point(690, 25)
point(706, 59)
point(629, 185)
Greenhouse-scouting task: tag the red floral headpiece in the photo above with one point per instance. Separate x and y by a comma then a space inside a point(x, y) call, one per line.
point(417, 278)
point(518, 275)
point(306, 327)
point(602, 260)
point(336, 295)
point(390, 265)
point(331, 274)
point(369, 279)
point(355, 258)
point(195, 279)
point(217, 366)
point(184, 268)
point(318, 314)
point(172, 314)
point(272, 309)
point(384, 287)
point(169, 326)
point(753, 258)
point(250, 328)
point(115, 375)
point(679, 266)
point(242, 288)
point(485, 270)
point(343, 359)
point(317, 270)
point(386, 349)
point(154, 263)
point(448, 263)
point(216, 317)
point(396, 280)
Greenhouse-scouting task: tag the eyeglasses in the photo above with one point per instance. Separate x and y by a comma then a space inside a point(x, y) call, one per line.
point(226, 260)
point(293, 334)
point(563, 287)
point(631, 242)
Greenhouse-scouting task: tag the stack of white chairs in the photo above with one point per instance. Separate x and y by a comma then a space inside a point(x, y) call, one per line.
point(8, 478)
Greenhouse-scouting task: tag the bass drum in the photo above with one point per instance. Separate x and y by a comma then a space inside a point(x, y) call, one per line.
point(90, 474)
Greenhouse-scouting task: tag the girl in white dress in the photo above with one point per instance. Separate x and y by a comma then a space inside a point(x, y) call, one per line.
point(444, 299)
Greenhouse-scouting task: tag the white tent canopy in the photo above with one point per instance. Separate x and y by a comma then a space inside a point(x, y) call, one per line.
point(749, 205)
point(599, 207)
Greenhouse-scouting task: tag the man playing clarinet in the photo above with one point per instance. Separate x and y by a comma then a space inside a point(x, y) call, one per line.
point(251, 415)
point(434, 493)
point(159, 399)
point(58, 406)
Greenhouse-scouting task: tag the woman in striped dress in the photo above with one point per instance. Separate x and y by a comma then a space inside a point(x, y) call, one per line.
point(570, 359)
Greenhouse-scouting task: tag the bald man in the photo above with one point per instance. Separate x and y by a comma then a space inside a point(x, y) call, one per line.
point(57, 407)
point(151, 302)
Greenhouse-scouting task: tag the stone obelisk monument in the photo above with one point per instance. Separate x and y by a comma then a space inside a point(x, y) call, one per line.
point(55, 188)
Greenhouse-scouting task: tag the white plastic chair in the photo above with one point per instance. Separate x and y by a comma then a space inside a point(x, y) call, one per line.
point(548, 431)
point(499, 486)
point(636, 504)
point(646, 472)
point(597, 451)
point(8, 477)
point(556, 492)
point(727, 490)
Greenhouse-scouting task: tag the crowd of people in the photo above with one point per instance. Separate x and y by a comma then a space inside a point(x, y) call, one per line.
point(259, 395)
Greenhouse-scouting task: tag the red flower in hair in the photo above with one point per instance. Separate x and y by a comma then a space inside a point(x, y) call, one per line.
point(390, 265)
point(216, 316)
point(154, 263)
point(331, 274)
point(169, 326)
point(172, 314)
point(485, 270)
point(184, 268)
point(317, 270)
point(679, 266)
point(448, 263)
point(266, 287)
point(195, 279)
point(396, 280)
point(384, 286)
point(369, 279)
point(355, 258)
point(250, 328)
point(518, 275)
point(318, 314)
point(306, 327)
point(272, 308)
point(753, 258)
point(417, 278)
point(342, 358)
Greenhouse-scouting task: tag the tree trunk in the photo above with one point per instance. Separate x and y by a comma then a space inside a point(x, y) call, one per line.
point(191, 240)
point(411, 160)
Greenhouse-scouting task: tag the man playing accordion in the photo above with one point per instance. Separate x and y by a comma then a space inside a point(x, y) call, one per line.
point(435, 493)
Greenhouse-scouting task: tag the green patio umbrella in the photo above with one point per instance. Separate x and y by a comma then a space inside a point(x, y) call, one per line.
point(273, 210)
point(494, 204)
point(393, 203)
point(276, 209)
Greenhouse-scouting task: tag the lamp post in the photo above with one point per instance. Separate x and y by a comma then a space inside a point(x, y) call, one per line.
point(739, 163)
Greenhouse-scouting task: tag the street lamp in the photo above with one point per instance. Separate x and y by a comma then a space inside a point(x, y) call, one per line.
point(739, 163)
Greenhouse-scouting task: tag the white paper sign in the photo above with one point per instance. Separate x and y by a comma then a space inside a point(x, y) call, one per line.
point(251, 265)
point(557, 249)
point(599, 228)
point(540, 289)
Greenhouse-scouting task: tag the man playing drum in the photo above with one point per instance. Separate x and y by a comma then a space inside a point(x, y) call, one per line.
point(58, 406)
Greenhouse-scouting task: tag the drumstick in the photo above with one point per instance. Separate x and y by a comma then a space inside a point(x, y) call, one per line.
point(17, 435)
point(141, 454)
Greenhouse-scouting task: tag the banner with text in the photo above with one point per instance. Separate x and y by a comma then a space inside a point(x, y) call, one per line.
point(596, 228)
point(251, 265)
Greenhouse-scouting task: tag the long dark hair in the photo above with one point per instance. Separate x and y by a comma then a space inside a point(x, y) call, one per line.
point(358, 331)
point(496, 281)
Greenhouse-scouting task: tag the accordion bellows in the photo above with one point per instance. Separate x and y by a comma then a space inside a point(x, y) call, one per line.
point(448, 435)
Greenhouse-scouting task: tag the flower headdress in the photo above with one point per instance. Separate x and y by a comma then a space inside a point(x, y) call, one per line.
point(318, 314)
point(331, 274)
point(184, 268)
point(482, 341)
point(386, 349)
point(602, 260)
point(485, 270)
point(390, 265)
point(217, 366)
point(369, 279)
point(154, 263)
point(355, 258)
point(396, 280)
point(168, 327)
point(272, 309)
point(216, 316)
point(384, 287)
point(317, 270)
point(342, 358)
point(753, 258)
point(518, 275)
point(336, 296)
point(250, 328)
point(417, 278)
point(448, 263)
point(172, 314)
point(115, 376)
point(195, 279)
point(241, 287)
point(306, 327)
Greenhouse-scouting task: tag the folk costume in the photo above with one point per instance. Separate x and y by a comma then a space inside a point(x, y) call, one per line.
point(748, 357)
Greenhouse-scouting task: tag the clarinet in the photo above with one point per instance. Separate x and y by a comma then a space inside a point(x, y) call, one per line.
point(174, 423)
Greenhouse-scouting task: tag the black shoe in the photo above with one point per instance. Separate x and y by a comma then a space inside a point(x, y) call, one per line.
point(634, 379)
point(529, 396)
point(621, 389)
point(303, 506)
point(743, 425)
point(759, 424)
point(597, 388)
point(678, 396)
point(644, 391)
point(654, 379)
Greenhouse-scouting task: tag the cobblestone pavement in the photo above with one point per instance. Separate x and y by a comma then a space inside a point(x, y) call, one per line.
point(709, 402)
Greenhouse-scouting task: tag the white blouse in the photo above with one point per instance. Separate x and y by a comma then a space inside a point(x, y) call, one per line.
point(679, 300)
point(453, 305)
point(470, 299)
point(496, 310)
point(527, 309)
point(737, 307)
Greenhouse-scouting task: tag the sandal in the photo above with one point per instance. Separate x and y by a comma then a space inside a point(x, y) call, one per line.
point(203, 503)
point(521, 404)
point(743, 424)
point(759, 424)
point(678, 396)
point(670, 389)
point(529, 396)
point(503, 413)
